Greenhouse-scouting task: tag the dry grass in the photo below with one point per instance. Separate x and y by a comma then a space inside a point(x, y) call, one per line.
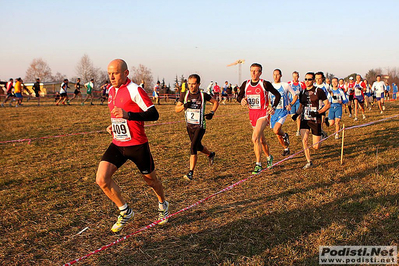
point(48, 193)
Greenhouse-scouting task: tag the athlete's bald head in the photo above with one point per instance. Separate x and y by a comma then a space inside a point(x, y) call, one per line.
point(120, 63)
point(118, 72)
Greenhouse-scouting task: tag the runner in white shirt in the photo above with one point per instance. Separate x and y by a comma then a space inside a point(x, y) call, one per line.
point(379, 88)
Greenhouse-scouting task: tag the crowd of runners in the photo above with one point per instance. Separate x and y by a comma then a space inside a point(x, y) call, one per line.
point(314, 104)
point(14, 92)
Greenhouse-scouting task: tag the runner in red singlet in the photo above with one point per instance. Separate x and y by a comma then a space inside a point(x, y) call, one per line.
point(254, 95)
point(130, 106)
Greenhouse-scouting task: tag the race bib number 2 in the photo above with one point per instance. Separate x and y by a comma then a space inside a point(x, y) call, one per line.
point(120, 129)
point(193, 116)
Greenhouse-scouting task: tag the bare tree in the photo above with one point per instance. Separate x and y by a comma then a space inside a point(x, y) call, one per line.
point(371, 75)
point(85, 69)
point(142, 73)
point(59, 77)
point(330, 76)
point(38, 69)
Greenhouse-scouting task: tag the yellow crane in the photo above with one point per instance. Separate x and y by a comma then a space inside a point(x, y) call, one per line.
point(239, 62)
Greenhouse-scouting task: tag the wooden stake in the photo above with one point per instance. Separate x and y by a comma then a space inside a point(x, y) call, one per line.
point(342, 147)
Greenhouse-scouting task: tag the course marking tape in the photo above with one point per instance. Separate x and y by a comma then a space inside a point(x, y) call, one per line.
point(213, 195)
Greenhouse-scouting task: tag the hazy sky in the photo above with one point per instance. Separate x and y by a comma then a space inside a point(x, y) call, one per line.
point(182, 37)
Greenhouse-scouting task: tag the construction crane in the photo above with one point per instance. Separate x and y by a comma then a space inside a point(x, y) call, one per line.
point(239, 63)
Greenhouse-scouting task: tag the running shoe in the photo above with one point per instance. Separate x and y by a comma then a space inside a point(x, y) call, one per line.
point(2, 105)
point(383, 108)
point(189, 176)
point(336, 136)
point(350, 115)
point(298, 134)
point(308, 165)
point(355, 119)
point(123, 218)
point(286, 152)
point(211, 158)
point(163, 214)
point(257, 169)
point(82, 104)
point(323, 134)
point(381, 112)
point(364, 117)
point(270, 162)
point(286, 139)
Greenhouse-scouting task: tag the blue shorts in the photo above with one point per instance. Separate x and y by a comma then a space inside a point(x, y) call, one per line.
point(294, 108)
point(360, 98)
point(18, 95)
point(279, 117)
point(335, 111)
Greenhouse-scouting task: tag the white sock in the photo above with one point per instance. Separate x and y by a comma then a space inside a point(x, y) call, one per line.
point(162, 205)
point(260, 164)
point(125, 209)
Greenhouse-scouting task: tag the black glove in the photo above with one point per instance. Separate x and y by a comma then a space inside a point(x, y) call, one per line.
point(187, 104)
point(294, 117)
point(209, 116)
point(314, 114)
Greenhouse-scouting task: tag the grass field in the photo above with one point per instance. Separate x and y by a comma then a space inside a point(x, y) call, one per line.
point(281, 217)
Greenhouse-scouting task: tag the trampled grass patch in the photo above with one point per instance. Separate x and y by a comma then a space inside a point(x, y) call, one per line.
point(48, 192)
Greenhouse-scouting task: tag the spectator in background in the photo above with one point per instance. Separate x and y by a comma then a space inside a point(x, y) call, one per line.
point(224, 92)
point(9, 92)
point(177, 91)
point(77, 91)
point(18, 91)
point(36, 89)
point(89, 86)
point(394, 91)
point(209, 89)
point(155, 93)
point(387, 89)
point(216, 92)
point(63, 93)
point(105, 91)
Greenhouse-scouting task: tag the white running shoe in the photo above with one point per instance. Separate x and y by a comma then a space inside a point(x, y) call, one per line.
point(383, 108)
point(164, 213)
point(122, 221)
point(364, 117)
point(336, 136)
point(355, 119)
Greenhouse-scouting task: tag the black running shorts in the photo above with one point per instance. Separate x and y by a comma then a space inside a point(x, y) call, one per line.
point(139, 154)
point(311, 125)
point(195, 135)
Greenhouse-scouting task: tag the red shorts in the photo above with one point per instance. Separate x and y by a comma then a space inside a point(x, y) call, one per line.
point(254, 115)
